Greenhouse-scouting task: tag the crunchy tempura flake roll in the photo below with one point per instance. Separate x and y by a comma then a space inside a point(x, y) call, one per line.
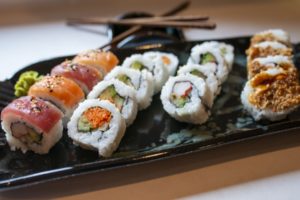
point(104, 61)
point(203, 71)
point(120, 94)
point(31, 124)
point(158, 70)
point(187, 99)
point(272, 94)
point(97, 125)
point(141, 81)
point(206, 53)
point(86, 77)
point(278, 35)
point(169, 60)
point(262, 64)
point(268, 48)
point(62, 92)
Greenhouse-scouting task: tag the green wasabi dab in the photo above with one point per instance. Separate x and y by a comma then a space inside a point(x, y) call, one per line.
point(25, 81)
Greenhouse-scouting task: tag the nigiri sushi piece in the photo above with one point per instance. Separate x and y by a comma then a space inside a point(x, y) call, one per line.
point(86, 77)
point(271, 94)
point(278, 35)
point(32, 124)
point(97, 125)
point(104, 61)
point(62, 92)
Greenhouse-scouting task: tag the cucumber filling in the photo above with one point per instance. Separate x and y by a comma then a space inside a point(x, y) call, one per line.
point(94, 118)
point(207, 58)
point(137, 65)
point(111, 95)
point(198, 73)
point(125, 79)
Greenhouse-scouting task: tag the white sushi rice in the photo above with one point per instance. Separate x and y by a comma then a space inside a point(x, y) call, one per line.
point(172, 67)
point(130, 106)
point(143, 83)
point(158, 70)
point(105, 142)
point(222, 69)
point(195, 110)
point(208, 71)
point(257, 113)
point(49, 139)
point(280, 34)
point(272, 44)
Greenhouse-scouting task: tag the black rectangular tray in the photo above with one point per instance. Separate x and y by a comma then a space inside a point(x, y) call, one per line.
point(153, 136)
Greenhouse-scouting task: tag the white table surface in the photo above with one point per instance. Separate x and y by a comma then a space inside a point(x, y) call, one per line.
point(262, 169)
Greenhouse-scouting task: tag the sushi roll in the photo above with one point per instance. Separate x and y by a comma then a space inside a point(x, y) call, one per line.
point(60, 91)
point(271, 94)
point(120, 94)
point(158, 70)
point(31, 124)
point(97, 125)
point(227, 51)
point(141, 81)
point(86, 77)
point(104, 61)
point(187, 99)
point(278, 35)
point(268, 48)
point(206, 72)
point(169, 60)
point(206, 53)
point(262, 64)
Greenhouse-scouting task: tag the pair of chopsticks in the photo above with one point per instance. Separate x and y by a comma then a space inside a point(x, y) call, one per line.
point(178, 8)
point(193, 21)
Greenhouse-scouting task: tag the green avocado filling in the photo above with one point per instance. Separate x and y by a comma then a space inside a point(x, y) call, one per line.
point(179, 101)
point(137, 65)
point(125, 79)
point(207, 58)
point(198, 73)
point(111, 95)
point(25, 81)
point(223, 51)
point(84, 125)
point(33, 136)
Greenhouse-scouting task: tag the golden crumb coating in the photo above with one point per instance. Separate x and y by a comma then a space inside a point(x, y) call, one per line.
point(257, 52)
point(267, 37)
point(278, 93)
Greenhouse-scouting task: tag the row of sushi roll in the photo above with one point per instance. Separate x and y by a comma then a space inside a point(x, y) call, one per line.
point(189, 96)
point(99, 122)
point(35, 122)
point(272, 90)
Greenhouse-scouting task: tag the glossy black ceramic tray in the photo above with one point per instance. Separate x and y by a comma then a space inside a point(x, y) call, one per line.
point(153, 135)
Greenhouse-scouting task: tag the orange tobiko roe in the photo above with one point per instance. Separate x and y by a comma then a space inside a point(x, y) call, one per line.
point(166, 60)
point(97, 116)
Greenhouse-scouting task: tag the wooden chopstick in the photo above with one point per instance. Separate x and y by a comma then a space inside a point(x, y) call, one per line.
point(137, 20)
point(183, 5)
point(148, 23)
